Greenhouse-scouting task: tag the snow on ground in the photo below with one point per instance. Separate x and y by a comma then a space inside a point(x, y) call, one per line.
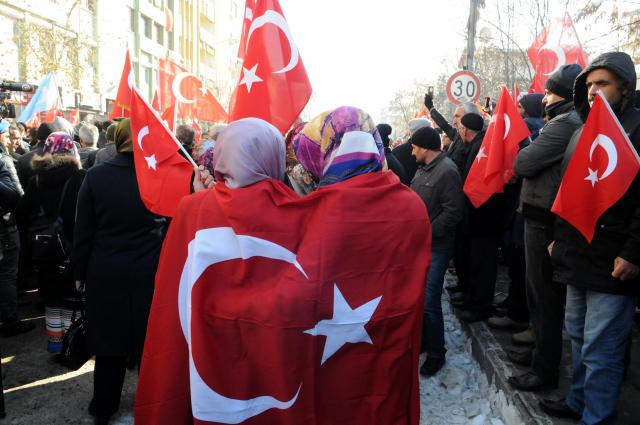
point(459, 393)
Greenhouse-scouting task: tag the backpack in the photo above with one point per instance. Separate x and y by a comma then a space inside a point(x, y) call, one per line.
point(47, 242)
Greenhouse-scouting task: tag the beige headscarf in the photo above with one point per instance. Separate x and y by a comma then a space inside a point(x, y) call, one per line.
point(123, 137)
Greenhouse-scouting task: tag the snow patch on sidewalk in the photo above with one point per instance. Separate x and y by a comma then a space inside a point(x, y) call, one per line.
point(460, 393)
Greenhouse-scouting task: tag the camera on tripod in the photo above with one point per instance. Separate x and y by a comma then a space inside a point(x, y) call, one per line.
point(7, 109)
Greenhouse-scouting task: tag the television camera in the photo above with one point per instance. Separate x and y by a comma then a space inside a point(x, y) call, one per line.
point(7, 109)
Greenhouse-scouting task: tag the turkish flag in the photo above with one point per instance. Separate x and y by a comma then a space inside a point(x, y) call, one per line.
point(155, 103)
point(601, 169)
point(246, 24)
point(193, 97)
point(169, 117)
point(556, 45)
point(74, 116)
point(164, 176)
point(273, 84)
point(516, 93)
point(493, 165)
point(122, 104)
point(257, 321)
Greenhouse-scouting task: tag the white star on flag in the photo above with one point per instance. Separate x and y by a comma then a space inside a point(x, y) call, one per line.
point(481, 154)
point(151, 161)
point(346, 325)
point(592, 177)
point(249, 77)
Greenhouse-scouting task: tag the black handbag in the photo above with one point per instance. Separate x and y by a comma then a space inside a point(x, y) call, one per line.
point(75, 352)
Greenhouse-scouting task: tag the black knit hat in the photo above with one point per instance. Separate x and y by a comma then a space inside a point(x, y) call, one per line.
point(561, 81)
point(532, 104)
point(385, 131)
point(427, 138)
point(44, 131)
point(472, 121)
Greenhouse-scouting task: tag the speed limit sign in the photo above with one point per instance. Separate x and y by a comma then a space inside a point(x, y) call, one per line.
point(463, 86)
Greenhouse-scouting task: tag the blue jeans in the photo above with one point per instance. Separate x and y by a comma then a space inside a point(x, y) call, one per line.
point(599, 325)
point(433, 328)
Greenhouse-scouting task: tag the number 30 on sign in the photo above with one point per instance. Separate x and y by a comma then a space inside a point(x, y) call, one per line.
point(463, 86)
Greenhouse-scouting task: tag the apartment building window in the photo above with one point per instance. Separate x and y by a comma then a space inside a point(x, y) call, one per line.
point(132, 20)
point(234, 9)
point(170, 40)
point(156, 3)
point(159, 34)
point(148, 27)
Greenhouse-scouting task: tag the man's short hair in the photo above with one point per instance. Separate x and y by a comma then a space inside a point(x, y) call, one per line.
point(89, 134)
point(470, 108)
point(185, 134)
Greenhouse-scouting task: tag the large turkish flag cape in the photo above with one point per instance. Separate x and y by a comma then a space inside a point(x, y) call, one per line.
point(273, 83)
point(200, 102)
point(556, 45)
point(267, 267)
point(602, 167)
point(164, 176)
point(493, 166)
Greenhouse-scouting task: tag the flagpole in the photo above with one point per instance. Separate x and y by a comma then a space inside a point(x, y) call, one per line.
point(159, 118)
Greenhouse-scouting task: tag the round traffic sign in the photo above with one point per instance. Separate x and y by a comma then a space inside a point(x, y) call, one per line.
point(463, 86)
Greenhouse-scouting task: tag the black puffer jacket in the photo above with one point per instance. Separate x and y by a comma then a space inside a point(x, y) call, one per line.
point(617, 234)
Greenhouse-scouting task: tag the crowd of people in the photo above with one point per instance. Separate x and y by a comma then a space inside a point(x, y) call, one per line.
point(82, 181)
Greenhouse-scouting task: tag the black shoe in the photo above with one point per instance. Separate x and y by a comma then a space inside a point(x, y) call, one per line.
point(431, 366)
point(98, 419)
point(559, 409)
point(471, 316)
point(532, 382)
point(522, 358)
point(16, 328)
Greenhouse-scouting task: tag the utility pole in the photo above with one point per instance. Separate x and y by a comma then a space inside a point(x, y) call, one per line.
point(471, 33)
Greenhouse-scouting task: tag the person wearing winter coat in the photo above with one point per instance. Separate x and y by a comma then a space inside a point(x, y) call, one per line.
point(531, 109)
point(602, 277)
point(539, 165)
point(116, 251)
point(51, 194)
point(439, 185)
point(392, 162)
point(10, 193)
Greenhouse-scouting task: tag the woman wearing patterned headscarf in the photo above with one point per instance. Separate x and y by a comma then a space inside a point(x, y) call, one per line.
point(340, 144)
point(53, 192)
point(116, 250)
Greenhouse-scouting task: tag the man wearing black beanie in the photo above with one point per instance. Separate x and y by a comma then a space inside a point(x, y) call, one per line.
point(439, 185)
point(539, 164)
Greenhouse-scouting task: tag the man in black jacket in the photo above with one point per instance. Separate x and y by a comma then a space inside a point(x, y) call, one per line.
point(480, 229)
point(458, 150)
point(601, 276)
point(539, 164)
point(10, 193)
point(439, 185)
point(392, 162)
point(25, 171)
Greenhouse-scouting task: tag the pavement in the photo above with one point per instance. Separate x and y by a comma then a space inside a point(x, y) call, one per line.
point(489, 349)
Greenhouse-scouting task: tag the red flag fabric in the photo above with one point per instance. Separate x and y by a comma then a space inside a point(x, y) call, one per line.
point(273, 84)
point(516, 94)
point(169, 117)
point(246, 23)
point(195, 99)
point(74, 116)
point(122, 104)
point(555, 46)
point(254, 321)
point(164, 176)
point(155, 103)
point(493, 165)
point(601, 169)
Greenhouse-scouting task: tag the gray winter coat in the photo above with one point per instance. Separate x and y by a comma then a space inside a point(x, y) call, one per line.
point(540, 163)
point(440, 187)
point(617, 233)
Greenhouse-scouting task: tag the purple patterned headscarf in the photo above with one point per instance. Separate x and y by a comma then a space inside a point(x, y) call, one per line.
point(248, 151)
point(203, 154)
point(340, 144)
point(60, 143)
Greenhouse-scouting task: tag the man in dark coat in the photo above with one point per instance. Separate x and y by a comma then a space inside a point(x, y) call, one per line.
point(439, 185)
point(25, 171)
point(601, 276)
point(539, 164)
point(477, 265)
point(392, 162)
point(10, 193)
point(458, 150)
